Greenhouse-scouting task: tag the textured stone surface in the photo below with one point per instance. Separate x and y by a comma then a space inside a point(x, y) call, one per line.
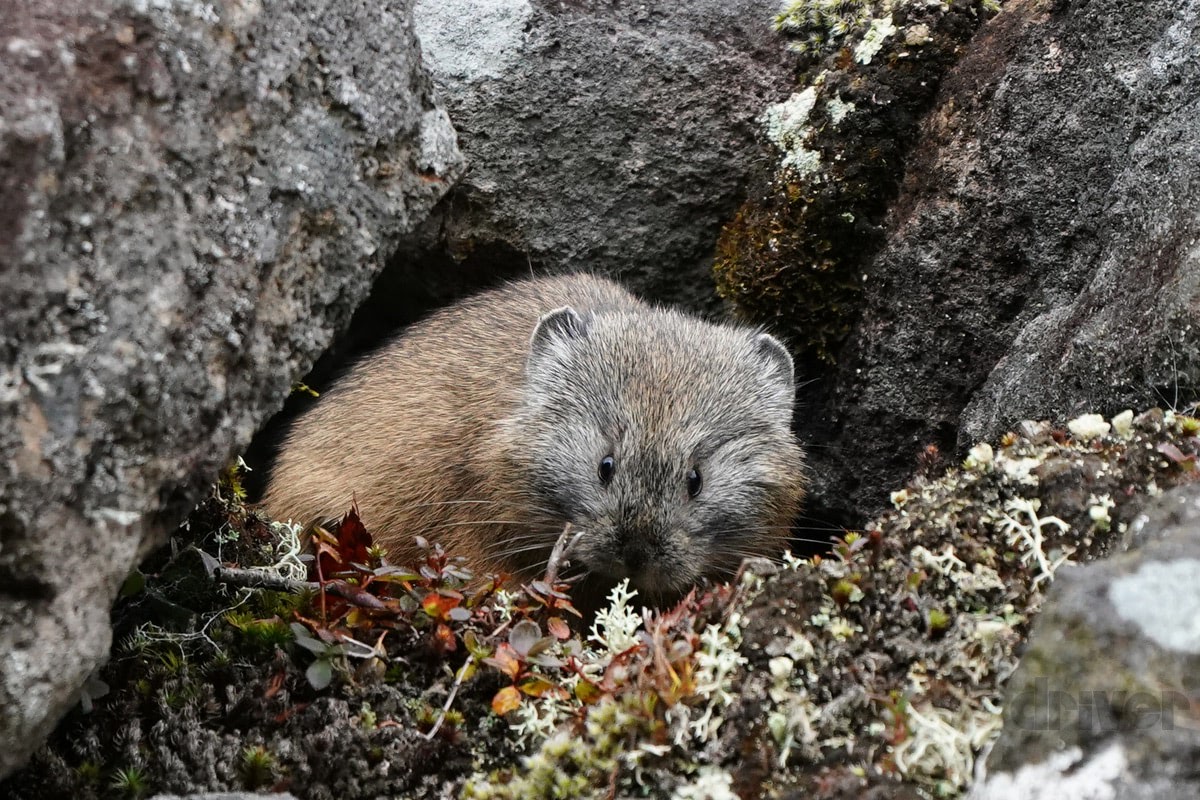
point(1041, 259)
point(193, 199)
point(1107, 693)
point(603, 137)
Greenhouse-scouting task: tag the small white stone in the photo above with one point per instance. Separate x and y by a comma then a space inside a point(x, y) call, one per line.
point(1123, 424)
point(1088, 426)
point(980, 456)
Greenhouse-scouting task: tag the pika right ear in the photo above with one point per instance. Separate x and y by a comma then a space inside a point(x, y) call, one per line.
point(561, 324)
point(774, 354)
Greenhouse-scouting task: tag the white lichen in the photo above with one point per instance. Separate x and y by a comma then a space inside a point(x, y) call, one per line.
point(881, 28)
point(717, 662)
point(287, 549)
point(979, 457)
point(1098, 508)
point(1122, 424)
point(535, 721)
point(1020, 470)
point(945, 564)
point(1024, 529)
point(710, 783)
point(615, 628)
point(940, 747)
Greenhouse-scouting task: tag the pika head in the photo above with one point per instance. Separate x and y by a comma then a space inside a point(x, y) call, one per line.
point(665, 440)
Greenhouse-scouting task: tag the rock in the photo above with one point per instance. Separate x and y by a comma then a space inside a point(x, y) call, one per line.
point(193, 199)
point(1040, 258)
point(614, 138)
point(1106, 695)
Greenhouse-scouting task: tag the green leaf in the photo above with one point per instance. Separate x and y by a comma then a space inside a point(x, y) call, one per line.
point(524, 635)
point(319, 674)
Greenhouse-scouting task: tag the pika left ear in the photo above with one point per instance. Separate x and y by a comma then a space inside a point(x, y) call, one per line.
point(561, 324)
point(777, 359)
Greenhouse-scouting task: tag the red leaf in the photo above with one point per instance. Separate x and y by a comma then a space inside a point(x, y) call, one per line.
point(444, 640)
point(439, 605)
point(339, 550)
point(353, 539)
point(505, 660)
point(558, 628)
point(1187, 462)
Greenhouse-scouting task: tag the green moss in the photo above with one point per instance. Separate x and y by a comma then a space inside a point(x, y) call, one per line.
point(257, 767)
point(816, 26)
point(574, 766)
point(130, 783)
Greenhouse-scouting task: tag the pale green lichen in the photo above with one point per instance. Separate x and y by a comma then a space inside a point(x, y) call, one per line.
point(716, 663)
point(819, 25)
point(786, 126)
point(872, 42)
point(1122, 424)
point(838, 110)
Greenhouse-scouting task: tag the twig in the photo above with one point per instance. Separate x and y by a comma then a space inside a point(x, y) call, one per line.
point(560, 555)
point(458, 681)
point(256, 579)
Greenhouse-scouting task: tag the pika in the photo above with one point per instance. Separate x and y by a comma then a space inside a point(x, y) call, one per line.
point(663, 439)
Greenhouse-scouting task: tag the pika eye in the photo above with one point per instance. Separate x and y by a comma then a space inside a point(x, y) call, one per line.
point(608, 465)
point(695, 482)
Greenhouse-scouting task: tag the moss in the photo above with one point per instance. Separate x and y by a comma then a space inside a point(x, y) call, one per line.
point(570, 766)
point(258, 767)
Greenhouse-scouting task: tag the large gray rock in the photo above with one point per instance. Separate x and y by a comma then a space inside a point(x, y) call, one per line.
point(1106, 702)
point(608, 137)
point(193, 198)
point(1041, 259)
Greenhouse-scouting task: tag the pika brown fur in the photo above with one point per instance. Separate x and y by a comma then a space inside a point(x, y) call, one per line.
point(664, 439)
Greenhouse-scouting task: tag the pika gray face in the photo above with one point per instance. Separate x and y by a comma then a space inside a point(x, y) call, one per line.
point(665, 440)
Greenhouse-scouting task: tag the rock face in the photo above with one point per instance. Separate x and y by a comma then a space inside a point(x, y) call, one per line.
point(193, 199)
point(1041, 258)
point(1105, 701)
point(605, 137)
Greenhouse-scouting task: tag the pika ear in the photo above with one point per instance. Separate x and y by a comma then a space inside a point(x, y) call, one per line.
point(561, 324)
point(777, 360)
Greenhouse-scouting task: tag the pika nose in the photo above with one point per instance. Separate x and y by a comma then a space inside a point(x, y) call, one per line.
point(634, 553)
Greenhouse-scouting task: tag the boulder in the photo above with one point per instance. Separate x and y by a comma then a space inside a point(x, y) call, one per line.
point(1104, 703)
point(1039, 259)
point(613, 138)
point(193, 200)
